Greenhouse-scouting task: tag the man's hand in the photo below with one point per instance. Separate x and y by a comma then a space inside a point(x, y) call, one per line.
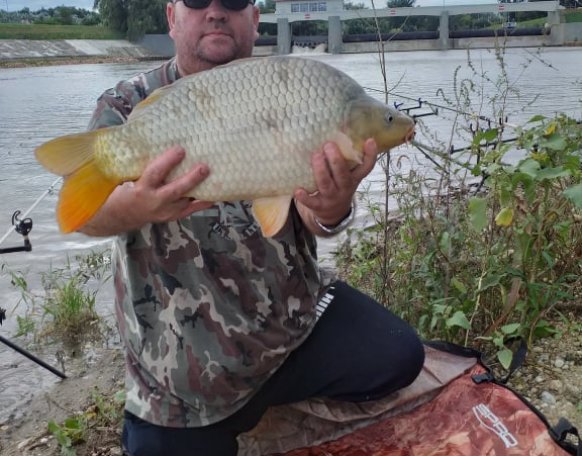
point(149, 199)
point(336, 184)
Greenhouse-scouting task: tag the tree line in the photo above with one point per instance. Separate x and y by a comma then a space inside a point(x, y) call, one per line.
point(61, 15)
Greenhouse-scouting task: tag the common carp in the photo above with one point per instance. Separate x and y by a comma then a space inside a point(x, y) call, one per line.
point(254, 122)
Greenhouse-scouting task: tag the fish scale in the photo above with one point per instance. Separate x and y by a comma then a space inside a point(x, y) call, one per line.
point(256, 123)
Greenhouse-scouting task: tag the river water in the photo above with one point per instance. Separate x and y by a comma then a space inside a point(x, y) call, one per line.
point(37, 104)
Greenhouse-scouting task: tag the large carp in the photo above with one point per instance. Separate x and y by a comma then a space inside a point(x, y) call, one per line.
point(254, 122)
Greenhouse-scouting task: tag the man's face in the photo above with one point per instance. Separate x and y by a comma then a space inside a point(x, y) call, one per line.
point(205, 38)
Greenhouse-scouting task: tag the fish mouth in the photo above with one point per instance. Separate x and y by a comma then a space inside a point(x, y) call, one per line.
point(409, 137)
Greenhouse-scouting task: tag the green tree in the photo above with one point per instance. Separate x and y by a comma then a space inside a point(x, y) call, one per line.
point(134, 18)
point(113, 14)
point(400, 3)
point(354, 6)
point(64, 15)
point(267, 6)
point(145, 16)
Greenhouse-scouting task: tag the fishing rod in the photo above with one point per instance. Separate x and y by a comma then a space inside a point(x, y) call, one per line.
point(23, 226)
point(26, 353)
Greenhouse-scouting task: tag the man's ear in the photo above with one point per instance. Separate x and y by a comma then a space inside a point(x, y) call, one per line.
point(256, 15)
point(171, 16)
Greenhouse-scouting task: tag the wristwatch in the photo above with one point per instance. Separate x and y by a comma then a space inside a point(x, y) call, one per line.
point(342, 225)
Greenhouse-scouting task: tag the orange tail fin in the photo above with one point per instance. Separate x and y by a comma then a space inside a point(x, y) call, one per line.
point(82, 194)
point(86, 188)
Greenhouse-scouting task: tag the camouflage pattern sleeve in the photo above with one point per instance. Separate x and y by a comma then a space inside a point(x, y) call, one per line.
point(115, 104)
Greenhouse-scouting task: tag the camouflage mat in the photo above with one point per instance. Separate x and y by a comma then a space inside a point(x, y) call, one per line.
point(443, 413)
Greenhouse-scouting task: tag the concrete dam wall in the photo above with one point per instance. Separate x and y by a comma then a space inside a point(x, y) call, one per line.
point(161, 46)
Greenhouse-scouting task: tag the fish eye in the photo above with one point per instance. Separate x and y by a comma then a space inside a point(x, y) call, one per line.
point(389, 118)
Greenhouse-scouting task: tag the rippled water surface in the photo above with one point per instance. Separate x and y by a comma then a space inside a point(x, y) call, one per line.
point(37, 104)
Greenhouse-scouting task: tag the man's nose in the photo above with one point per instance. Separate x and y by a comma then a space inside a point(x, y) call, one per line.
point(216, 10)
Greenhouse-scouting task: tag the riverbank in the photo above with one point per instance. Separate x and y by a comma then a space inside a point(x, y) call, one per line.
point(551, 379)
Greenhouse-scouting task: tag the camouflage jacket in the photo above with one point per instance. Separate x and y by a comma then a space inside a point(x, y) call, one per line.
point(206, 306)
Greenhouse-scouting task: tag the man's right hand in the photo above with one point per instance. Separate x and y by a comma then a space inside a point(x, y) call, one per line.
point(150, 199)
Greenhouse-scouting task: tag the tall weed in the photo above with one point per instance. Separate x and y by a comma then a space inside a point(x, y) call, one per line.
point(486, 244)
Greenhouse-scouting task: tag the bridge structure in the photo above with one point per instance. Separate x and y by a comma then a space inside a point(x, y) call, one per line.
point(288, 11)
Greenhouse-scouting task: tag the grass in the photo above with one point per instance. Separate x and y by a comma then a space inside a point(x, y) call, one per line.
point(56, 32)
point(65, 311)
point(569, 16)
point(532, 23)
point(573, 16)
point(101, 420)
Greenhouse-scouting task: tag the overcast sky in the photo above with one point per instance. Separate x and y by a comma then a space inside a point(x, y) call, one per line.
point(15, 5)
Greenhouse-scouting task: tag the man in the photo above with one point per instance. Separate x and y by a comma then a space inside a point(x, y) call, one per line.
point(218, 322)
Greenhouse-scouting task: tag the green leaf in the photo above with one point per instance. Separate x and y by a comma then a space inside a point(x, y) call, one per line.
point(458, 319)
point(498, 341)
point(544, 329)
point(53, 427)
point(574, 194)
point(460, 286)
point(120, 397)
point(529, 167)
point(489, 281)
point(505, 217)
point(550, 261)
point(536, 118)
point(554, 142)
point(445, 241)
point(487, 136)
point(505, 356)
point(478, 213)
point(511, 328)
point(72, 423)
point(490, 135)
point(553, 173)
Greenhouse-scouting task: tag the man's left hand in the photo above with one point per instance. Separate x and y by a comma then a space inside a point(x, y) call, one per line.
point(336, 184)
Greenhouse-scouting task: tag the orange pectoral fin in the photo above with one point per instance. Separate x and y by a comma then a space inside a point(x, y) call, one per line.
point(82, 194)
point(272, 213)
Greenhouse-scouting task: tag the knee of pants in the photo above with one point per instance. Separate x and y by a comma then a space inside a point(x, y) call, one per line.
point(413, 356)
point(405, 361)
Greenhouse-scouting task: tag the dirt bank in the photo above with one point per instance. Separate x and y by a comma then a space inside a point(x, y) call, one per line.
point(551, 379)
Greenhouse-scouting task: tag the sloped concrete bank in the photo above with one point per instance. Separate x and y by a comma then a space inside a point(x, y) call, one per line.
point(46, 49)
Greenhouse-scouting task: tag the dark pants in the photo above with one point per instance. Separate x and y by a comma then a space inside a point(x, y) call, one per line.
point(358, 351)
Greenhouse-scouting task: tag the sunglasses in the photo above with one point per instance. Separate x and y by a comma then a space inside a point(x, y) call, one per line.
point(233, 5)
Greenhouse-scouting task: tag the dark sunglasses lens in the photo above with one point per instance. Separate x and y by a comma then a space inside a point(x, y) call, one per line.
point(234, 5)
point(197, 4)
